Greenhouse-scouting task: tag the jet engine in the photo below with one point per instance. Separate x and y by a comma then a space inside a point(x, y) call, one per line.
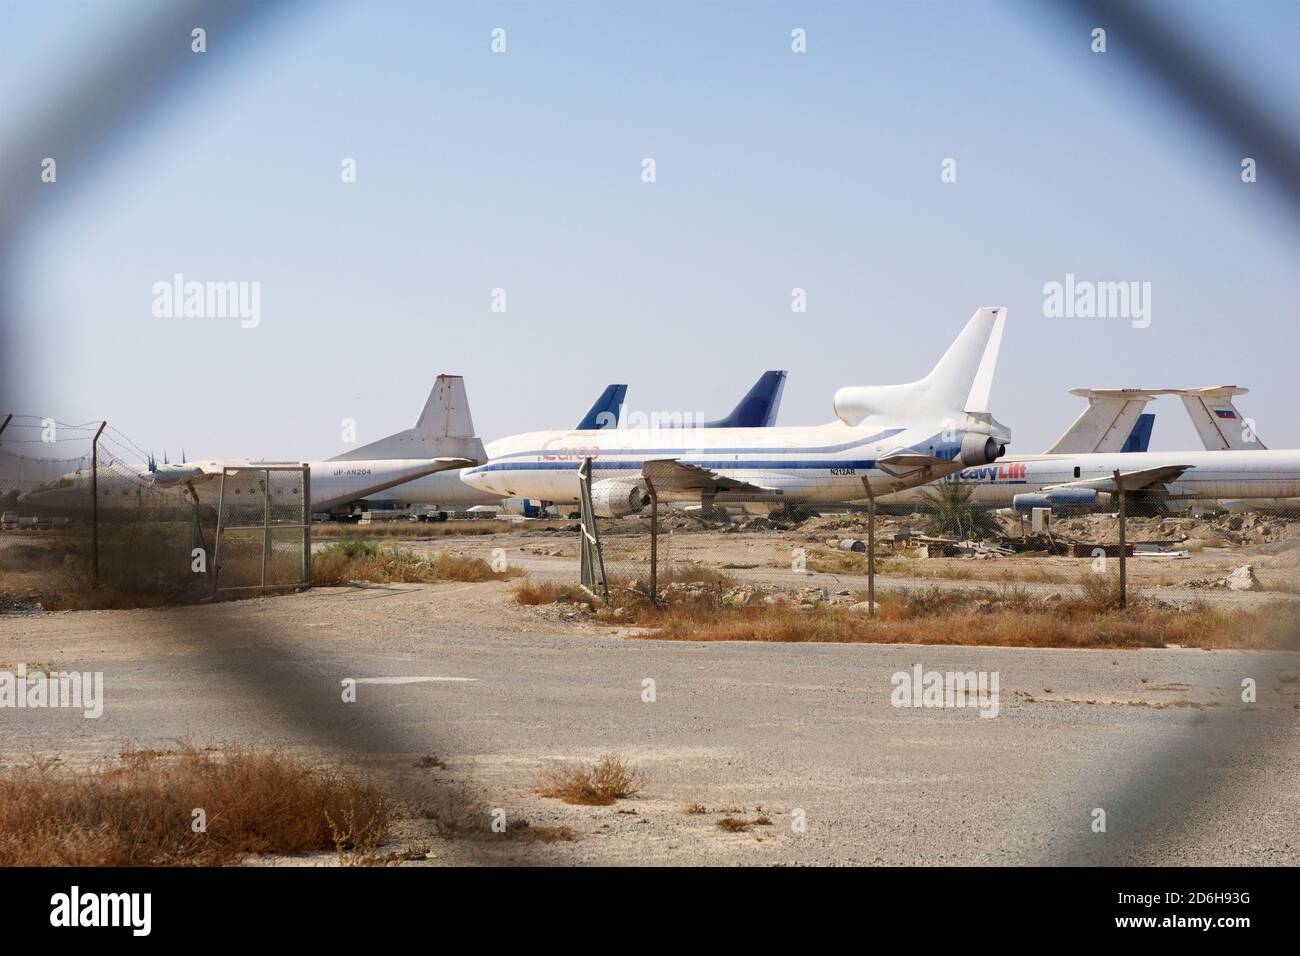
point(175, 474)
point(615, 497)
point(978, 448)
point(1062, 500)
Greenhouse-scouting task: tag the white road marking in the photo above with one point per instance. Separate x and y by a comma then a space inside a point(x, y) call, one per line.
point(410, 680)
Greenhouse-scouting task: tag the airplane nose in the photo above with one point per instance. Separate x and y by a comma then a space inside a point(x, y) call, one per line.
point(476, 479)
point(487, 482)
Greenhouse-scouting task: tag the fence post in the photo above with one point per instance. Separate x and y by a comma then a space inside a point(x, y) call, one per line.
point(306, 525)
point(216, 535)
point(871, 556)
point(593, 561)
point(1123, 570)
point(871, 547)
point(94, 503)
point(266, 524)
point(654, 542)
point(209, 558)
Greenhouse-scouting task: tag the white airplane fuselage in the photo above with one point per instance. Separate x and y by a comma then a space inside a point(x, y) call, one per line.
point(887, 437)
point(799, 464)
point(445, 489)
point(1211, 475)
point(135, 487)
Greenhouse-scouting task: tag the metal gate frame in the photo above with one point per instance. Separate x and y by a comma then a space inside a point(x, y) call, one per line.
point(592, 559)
point(266, 525)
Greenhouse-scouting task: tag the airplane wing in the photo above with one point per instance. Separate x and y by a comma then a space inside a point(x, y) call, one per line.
point(181, 474)
point(911, 460)
point(671, 474)
point(208, 470)
point(902, 464)
point(1131, 480)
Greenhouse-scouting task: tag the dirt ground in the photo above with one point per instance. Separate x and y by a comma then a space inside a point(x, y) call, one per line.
point(496, 692)
point(1213, 549)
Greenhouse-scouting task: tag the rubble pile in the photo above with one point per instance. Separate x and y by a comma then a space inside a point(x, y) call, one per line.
point(1225, 530)
point(1241, 579)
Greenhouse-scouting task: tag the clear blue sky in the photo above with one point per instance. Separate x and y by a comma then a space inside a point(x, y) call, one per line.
point(522, 171)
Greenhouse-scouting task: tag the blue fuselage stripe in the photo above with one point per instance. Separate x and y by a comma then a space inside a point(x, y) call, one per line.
point(683, 451)
point(772, 464)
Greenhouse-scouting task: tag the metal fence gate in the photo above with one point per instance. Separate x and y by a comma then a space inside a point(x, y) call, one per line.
point(263, 537)
point(620, 556)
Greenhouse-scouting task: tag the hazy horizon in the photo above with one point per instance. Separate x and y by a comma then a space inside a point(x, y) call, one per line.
point(522, 171)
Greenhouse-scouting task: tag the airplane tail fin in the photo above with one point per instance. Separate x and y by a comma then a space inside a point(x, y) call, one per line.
point(1217, 420)
point(1106, 424)
point(1139, 439)
point(604, 414)
point(443, 430)
point(959, 383)
point(759, 406)
point(1113, 412)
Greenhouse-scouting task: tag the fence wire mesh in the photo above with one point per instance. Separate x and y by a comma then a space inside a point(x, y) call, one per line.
point(84, 523)
point(263, 528)
point(1175, 556)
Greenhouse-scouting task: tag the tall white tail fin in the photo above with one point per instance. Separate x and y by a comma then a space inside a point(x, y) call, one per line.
point(960, 382)
point(1217, 420)
point(1106, 423)
point(1111, 413)
point(444, 429)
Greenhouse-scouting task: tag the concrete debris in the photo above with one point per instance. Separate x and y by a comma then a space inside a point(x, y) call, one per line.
point(740, 596)
point(1241, 579)
point(981, 549)
point(1213, 531)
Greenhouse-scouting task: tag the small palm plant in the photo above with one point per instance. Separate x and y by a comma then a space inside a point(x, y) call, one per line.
point(953, 515)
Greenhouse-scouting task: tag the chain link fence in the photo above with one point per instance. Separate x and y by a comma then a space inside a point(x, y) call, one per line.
point(1172, 555)
point(626, 557)
point(263, 537)
point(1180, 553)
point(84, 523)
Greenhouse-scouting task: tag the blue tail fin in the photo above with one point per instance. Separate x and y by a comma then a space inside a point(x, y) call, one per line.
point(759, 406)
point(604, 414)
point(1140, 437)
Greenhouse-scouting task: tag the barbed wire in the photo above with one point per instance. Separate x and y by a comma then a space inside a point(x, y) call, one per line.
point(54, 461)
point(144, 455)
point(44, 420)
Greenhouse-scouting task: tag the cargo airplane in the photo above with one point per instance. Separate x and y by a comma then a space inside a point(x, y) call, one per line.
point(446, 491)
point(443, 437)
point(1077, 473)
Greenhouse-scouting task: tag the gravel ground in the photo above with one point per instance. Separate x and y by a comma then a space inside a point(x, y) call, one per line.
point(1159, 739)
point(765, 559)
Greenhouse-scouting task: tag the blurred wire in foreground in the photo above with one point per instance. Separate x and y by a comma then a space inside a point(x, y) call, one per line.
point(1199, 85)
